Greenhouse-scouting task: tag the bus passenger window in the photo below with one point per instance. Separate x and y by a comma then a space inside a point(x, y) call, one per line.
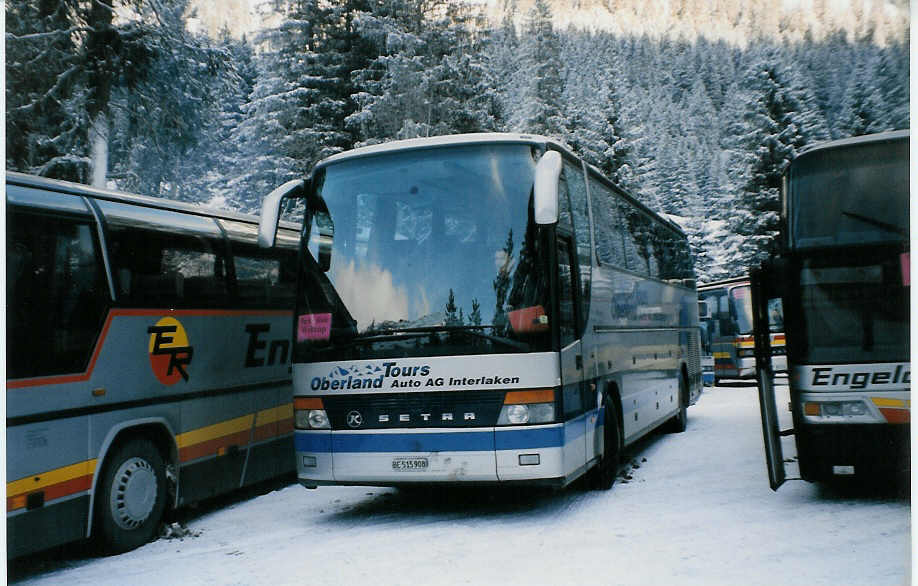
point(56, 294)
point(159, 269)
point(263, 281)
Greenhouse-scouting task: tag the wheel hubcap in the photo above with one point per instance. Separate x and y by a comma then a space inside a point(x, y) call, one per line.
point(133, 493)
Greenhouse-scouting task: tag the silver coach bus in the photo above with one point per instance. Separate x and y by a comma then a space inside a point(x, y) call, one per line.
point(148, 356)
point(482, 308)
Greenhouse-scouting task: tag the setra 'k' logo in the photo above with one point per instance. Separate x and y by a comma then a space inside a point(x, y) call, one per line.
point(170, 352)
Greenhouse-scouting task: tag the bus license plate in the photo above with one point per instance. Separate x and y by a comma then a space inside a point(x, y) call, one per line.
point(409, 463)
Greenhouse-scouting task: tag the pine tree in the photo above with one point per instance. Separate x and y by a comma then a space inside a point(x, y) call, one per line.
point(540, 110)
point(780, 118)
point(862, 110)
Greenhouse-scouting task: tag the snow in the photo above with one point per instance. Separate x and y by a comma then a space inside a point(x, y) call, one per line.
point(696, 510)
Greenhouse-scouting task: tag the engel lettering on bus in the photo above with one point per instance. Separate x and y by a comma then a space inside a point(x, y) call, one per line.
point(823, 377)
point(278, 352)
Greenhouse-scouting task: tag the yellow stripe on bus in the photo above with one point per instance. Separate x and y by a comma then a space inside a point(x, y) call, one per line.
point(275, 414)
point(88, 467)
point(203, 434)
point(231, 426)
point(884, 402)
point(39, 481)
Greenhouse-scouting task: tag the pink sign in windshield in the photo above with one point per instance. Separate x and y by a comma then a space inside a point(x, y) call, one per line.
point(314, 326)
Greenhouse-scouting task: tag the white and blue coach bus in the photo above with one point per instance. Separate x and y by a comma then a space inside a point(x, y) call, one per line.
point(482, 308)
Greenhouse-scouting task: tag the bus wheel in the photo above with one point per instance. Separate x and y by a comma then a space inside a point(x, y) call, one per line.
point(678, 422)
point(603, 475)
point(132, 498)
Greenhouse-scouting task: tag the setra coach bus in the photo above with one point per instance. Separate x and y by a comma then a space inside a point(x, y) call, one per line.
point(843, 276)
point(482, 308)
point(147, 361)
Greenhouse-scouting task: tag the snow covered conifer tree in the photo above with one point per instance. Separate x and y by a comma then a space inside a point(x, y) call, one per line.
point(540, 110)
point(780, 118)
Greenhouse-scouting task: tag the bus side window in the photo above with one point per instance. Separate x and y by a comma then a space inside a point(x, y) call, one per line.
point(158, 269)
point(56, 294)
point(264, 281)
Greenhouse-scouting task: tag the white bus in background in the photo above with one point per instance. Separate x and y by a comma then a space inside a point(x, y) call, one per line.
point(482, 309)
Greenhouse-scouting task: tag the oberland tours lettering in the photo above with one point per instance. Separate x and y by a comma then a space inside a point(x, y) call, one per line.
point(403, 377)
point(825, 377)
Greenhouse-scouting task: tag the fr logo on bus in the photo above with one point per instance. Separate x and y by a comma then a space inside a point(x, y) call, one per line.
point(170, 352)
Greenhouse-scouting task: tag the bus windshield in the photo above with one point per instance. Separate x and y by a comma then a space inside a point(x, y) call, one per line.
point(435, 252)
point(850, 196)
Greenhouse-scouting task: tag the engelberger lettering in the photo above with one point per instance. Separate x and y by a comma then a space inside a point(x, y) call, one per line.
point(826, 377)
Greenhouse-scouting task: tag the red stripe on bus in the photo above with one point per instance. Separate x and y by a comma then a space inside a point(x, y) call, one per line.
point(211, 447)
point(54, 491)
point(84, 376)
point(240, 438)
point(896, 415)
point(273, 430)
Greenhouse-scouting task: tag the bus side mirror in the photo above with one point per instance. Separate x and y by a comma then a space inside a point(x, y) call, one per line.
point(324, 236)
point(270, 210)
point(545, 189)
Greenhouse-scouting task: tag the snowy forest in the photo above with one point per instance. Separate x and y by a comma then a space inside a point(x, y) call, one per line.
point(697, 119)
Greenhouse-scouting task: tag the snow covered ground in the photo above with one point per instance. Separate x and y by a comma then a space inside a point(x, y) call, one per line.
point(697, 509)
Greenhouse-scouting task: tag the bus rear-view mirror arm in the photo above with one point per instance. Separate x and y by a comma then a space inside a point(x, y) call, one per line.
point(545, 189)
point(326, 231)
point(270, 210)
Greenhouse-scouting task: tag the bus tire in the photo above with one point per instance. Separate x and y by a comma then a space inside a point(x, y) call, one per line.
point(679, 421)
point(603, 475)
point(132, 496)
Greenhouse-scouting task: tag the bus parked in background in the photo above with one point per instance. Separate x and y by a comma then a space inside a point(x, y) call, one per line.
point(727, 328)
point(148, 356)
point(843, 276)
point(482, 309)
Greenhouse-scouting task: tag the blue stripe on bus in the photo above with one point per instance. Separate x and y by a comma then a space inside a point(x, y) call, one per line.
point(472, 441)
point(530, 438)
point(312, 442)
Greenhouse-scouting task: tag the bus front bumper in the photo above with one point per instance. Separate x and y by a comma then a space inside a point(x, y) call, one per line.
point(398, 457)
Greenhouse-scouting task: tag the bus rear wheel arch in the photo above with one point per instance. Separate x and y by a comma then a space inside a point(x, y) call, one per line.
point(132, 496)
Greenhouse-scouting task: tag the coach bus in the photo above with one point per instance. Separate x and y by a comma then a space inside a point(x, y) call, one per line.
point(843, 276)
point(147, 361)
point(727, 328)
point(482, 308)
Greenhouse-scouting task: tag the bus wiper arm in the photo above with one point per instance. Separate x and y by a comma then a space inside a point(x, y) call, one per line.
point(397, 333)
point(877, 223)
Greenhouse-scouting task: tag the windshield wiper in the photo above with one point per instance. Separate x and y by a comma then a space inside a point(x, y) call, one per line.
point(399, 333)
point(876, 223)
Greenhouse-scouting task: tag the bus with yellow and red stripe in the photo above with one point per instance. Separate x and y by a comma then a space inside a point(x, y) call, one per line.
point(727, 332)
point(147, 360)
point(842, 273)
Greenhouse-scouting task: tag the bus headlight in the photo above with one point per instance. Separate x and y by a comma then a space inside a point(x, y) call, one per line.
point(836, 410)
point(522, 407)
point(309, 413)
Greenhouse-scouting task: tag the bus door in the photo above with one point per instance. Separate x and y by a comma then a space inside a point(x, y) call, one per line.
point(571, 357)
point(764, 288)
